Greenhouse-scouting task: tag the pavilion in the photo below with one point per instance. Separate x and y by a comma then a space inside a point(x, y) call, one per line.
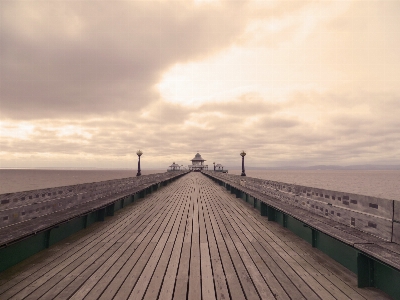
point(174, 167)
point(198, 164)
point(220, 168)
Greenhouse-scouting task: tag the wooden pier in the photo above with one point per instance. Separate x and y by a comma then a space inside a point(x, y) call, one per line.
point(191, 239)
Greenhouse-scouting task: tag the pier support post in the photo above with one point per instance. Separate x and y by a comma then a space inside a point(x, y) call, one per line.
point(47, 238)
point(264, 209)
point(285, 220)
point(365, 271)
point(85, 221)
point(314, 237)
point(110, 210)
point(101, 214)
point(271, 213)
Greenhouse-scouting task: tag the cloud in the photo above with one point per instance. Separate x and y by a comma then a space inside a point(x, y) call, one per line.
point(67, 58)
point(88, 84)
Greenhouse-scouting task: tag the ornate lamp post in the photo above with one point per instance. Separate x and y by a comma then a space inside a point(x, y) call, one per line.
point(139, 154)
point(243, 154)
point(214, 165)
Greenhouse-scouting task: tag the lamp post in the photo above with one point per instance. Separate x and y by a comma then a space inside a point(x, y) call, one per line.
point(243, 154)
point(214, 165)
point(139, 154)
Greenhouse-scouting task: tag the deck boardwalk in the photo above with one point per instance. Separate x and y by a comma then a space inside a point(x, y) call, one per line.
point(188, 240)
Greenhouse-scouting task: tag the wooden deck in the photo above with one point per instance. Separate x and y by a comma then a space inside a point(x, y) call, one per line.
point(188, 240)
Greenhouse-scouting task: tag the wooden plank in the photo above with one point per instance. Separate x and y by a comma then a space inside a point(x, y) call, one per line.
point(67, 248)
point(168, 284)
point(144, 279)
point(221, 289)
point(159, 274)
point(88, 268)
point(102, 283)
point(241, 271)
point(260, 284)
point(269, 277)
point(346, 271)
point(207, 281)
point(261, 255)
point(50, 267)
point(157, 256)
point(232, 280)
point(194, 273)
point(182, 278)
point(265, 272)
point(289, 272)
point(131, 272)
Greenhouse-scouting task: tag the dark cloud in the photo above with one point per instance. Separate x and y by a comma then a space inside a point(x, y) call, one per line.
point(68, 58)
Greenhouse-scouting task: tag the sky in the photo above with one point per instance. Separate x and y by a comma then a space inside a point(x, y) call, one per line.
point(86, 84)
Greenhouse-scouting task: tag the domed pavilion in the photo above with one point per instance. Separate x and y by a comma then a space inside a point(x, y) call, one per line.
point(198, 164)
point(174, 167)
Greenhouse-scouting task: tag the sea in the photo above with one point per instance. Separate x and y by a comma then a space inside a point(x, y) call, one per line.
point(376, 183)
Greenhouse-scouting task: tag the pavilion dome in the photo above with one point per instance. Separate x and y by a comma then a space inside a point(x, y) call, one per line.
point(198, 157)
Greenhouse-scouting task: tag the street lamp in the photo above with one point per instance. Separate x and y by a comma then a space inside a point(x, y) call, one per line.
point(243, 154)
point(139, 154)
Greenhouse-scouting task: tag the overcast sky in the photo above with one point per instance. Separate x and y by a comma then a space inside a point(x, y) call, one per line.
point(88, 83)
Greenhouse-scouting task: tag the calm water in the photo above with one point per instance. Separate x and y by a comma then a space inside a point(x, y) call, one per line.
point(380, 183)
point(17, 180)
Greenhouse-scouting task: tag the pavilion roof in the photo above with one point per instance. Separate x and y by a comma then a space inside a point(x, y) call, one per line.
point(198, 157)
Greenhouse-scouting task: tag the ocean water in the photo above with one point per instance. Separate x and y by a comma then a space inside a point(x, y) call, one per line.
point(18, 180)
point(377, 183)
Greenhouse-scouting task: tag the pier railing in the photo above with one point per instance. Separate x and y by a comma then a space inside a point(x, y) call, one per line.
point(23, 206)
point(360, 232)
point(377, 216)
point(33, 220)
